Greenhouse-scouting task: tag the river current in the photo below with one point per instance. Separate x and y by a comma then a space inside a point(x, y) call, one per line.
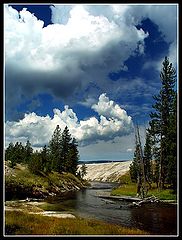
point(160, 219)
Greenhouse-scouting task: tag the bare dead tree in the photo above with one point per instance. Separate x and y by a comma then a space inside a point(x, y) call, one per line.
point(141, 183)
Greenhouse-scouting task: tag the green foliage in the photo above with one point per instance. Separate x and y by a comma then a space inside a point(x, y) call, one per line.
point(125, 190)
point(35, 163)
point(165, 194)
point(9, 154)
point(135, 169)
point(163, 126)
point(45, 160)
point(67, 151)
point(64, 153)
point(55, 146)
point(128, 188)
point(28, 150)
point(125, 179)
point(15, 153)
point(148, 158)
point(61, 155)
point(172, 146)
point(25, 182)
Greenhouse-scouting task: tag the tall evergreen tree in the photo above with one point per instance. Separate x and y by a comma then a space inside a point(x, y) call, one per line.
point(28, 150)
point(63, 151)
point(9, 152)
point(135, 169)
point(160, 119)
point(15, 153)
point(148, 158)
point(35, 163)
point(73, 157)
point(55, 147)
point(66, 147)
point(172, 147)
point(45, 158)
point(18, 154)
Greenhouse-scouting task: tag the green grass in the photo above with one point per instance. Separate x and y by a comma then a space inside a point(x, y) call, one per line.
point(126, 186)
point(53, 207)
point(166, 194)
point(19, 223)
point(23, 183)
point(129, 189)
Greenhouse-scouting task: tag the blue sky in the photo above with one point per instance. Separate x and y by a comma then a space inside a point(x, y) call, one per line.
point(93, 68)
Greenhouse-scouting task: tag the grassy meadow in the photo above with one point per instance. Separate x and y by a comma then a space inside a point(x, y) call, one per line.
point(128, 188)
point(19, 223)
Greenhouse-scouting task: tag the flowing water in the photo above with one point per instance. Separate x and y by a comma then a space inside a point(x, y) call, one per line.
point(157, 219)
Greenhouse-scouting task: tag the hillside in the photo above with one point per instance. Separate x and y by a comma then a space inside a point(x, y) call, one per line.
point(106, 172)
point(21, 183)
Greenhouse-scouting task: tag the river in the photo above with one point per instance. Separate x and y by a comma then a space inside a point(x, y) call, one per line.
point(160, 219)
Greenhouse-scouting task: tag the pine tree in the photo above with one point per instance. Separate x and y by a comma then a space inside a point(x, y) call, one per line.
point(28, 150)
point(66, 146)
point(63, 151)
point(160, 119)
point(45, 158)
point(35, 163)
point(148, 158)
point(172, 147)
point(55, 148)
point(135, 169)
point(9, 152)
point(72, 157)
point(18, 154)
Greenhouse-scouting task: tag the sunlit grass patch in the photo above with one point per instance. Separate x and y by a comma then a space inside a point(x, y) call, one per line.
point(130, 189)
point(125, 189)
point(19, 223)
point(166, 194)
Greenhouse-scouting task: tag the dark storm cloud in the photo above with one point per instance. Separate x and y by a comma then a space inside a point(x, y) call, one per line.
point(66, 61)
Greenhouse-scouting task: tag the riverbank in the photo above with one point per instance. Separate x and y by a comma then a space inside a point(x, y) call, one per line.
point(83, 209)
point(127, 188)
point(85, 205)
point(20, 183)
point(31, 219)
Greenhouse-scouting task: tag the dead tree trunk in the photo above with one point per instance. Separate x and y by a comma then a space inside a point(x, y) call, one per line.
point(142, 181)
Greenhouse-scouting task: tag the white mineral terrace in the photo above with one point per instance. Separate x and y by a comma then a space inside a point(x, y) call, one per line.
point(106, 171)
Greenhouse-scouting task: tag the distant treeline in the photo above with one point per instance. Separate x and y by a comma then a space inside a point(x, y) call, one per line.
point(99, 161)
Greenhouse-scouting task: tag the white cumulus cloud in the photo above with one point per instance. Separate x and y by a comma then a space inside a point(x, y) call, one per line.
point(39, 129)
point(110, 109)
point(65, 58)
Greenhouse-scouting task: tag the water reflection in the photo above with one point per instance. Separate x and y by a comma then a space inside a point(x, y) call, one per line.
point(162, 219)
point(156, 219)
